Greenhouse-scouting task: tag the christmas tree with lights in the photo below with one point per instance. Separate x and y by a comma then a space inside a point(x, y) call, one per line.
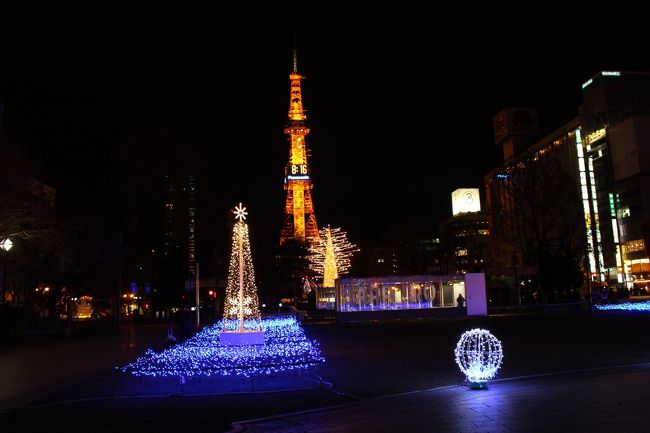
point(242, 344)
point(242, 321)
point(331, 255)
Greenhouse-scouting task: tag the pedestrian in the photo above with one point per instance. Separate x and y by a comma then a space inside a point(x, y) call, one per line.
point(460, 300)
point(604, 293)
point(594, 295)
point(186, 323)
point(171, 339)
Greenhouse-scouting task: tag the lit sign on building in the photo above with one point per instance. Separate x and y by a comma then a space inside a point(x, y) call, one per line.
point(596, 135)
point(612, 207)
point(465, 200)
point(604, 74)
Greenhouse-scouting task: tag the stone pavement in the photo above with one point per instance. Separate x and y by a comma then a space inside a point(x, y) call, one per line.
point(28, 369)
point(613, 399)
point(67, 385)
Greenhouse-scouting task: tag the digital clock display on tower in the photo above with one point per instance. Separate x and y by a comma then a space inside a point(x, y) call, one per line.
point(298, 169)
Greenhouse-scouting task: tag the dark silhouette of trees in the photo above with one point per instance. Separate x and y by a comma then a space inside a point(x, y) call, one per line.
point(43, 243)
point(540, 213)
point(291, 265)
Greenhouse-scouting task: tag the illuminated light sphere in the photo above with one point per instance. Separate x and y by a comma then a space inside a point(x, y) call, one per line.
point(479, 356)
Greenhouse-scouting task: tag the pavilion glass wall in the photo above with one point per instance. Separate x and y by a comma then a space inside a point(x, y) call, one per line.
point(399, 292)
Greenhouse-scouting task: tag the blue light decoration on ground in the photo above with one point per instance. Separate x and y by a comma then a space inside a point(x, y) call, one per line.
point(479, 355)
point(285, 348)
point(625, 306)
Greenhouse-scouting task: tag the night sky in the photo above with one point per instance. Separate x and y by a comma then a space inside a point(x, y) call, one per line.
point(399, 98)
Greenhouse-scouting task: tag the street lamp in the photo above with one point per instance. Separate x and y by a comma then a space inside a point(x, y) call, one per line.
point(5, 245)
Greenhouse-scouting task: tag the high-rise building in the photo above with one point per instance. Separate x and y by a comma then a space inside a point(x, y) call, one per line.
point(615, 119)
point(534, 210)
point(465, 234)
point(605, 151)
point(299, 218)
point(179, 240)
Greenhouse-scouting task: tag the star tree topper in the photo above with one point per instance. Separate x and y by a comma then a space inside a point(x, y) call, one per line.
point(240, 213)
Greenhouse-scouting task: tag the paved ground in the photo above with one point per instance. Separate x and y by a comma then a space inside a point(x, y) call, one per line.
point(602, 400)
point(378, 377)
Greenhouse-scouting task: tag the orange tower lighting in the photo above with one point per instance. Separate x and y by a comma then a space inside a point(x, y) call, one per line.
point(299, 217)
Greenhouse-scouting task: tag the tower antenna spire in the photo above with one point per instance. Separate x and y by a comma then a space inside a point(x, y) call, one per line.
point(295, 54)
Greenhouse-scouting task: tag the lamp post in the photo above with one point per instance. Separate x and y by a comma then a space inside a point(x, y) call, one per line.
point(515, 260)
point(6, 246)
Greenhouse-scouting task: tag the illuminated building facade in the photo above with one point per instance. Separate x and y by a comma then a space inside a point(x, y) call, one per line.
point(299, 217)
point(615, 120)
point(465, 234)
point(606, 149)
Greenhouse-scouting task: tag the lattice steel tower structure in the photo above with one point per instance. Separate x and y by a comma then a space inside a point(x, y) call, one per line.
point(299, 217)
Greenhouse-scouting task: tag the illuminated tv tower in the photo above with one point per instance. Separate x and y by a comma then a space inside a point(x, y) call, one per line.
point(299, 217)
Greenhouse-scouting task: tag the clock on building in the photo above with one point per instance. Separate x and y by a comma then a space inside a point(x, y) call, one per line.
point(299, 169)
point(464, 200)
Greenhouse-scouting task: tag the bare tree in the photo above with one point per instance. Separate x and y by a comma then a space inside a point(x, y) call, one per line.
point(42, 246)
point(538, 211)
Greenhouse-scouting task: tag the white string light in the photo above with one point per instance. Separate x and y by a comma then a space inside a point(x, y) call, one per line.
point(331, 255)
point(241, 305)
point(479, 355)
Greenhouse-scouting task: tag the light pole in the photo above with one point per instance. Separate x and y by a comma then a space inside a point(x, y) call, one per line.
point(6, 246)
point(515, 260)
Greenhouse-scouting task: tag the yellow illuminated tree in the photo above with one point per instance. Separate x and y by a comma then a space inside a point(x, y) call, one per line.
point(331, 255)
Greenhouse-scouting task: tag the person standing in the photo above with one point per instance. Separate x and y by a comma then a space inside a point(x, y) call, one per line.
point(185, 323)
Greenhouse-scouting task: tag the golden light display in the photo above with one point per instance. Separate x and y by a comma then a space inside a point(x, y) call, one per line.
point(331, 255)
point(241, 306)
point(299, 217)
